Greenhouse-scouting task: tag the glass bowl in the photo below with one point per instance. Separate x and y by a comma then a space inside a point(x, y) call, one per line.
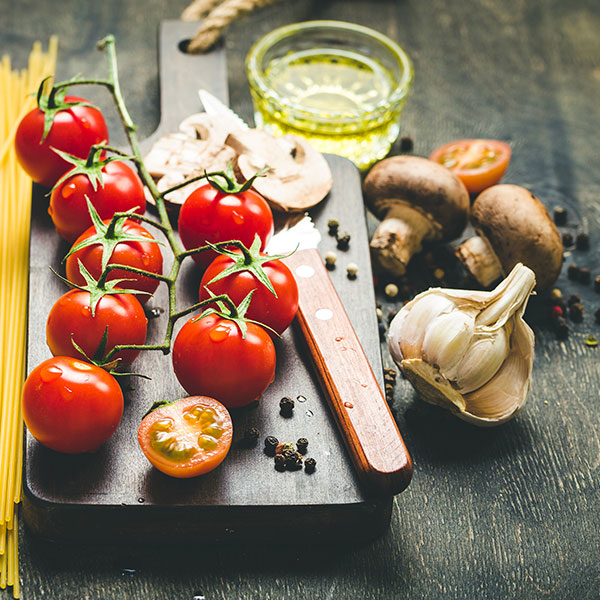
point(341, 86)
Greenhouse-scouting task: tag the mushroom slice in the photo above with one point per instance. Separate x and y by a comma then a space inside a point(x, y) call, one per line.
point(202, 126)
point(175, 158)
point(299, 175)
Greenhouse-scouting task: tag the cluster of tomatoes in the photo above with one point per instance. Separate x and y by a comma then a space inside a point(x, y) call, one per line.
point(223, 357)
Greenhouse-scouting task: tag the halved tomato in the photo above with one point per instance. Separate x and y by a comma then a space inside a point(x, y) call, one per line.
point(187, 437)
point(479, 164)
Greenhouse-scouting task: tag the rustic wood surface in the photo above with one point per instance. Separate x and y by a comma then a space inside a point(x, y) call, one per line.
point(510, 512)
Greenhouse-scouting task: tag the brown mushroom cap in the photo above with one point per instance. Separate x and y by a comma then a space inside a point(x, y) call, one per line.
point(421, 183)
point(519, 229)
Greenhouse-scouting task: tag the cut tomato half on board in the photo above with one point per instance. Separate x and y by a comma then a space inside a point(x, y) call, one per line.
point(479, 164)
point(187, 437)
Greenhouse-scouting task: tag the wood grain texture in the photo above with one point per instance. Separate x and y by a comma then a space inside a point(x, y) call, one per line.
point(353, 393)
point(504, 513)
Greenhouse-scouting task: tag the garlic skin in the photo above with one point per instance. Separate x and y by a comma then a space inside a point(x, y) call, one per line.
point(469, 351)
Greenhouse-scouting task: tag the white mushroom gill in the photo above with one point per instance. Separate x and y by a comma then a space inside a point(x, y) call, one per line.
point(469, 351)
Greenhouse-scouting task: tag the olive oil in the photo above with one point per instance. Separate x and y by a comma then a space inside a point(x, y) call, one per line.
point(338, 99)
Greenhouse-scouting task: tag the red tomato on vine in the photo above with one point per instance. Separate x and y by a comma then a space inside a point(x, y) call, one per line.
point(214, 213)
point(67, 123)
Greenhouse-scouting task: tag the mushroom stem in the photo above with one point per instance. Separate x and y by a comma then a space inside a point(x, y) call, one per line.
point(480, 260)
point(400, 235)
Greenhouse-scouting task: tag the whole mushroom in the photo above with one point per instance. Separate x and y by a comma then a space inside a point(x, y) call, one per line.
point(418, 200)
point(513, 226)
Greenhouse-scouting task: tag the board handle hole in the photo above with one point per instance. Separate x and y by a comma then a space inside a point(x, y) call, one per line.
point(183, 45)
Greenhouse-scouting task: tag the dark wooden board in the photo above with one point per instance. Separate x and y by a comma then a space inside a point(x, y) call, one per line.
point(510, 512)
point(115, 492)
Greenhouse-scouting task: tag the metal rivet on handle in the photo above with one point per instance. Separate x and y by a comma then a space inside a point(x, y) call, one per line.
point(324, 314)
point(305, 271)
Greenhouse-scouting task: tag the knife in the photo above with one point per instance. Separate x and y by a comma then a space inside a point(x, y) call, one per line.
point(354, 396)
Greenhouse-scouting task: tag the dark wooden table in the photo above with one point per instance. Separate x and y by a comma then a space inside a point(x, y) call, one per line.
point(510, 512)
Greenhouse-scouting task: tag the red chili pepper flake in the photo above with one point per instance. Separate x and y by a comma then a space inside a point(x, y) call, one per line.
point(557, 311)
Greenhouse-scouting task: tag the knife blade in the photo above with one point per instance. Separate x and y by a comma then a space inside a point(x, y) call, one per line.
point(360, 409)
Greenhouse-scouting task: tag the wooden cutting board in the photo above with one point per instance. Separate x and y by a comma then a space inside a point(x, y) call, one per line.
point(115, 493)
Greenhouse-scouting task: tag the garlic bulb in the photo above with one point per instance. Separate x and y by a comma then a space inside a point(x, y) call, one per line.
point(469, 351)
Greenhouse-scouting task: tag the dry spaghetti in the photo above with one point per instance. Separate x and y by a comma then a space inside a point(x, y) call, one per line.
point(15, 210)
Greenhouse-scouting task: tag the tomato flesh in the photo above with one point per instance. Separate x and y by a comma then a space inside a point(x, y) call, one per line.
point(187, 438)
point(479, 164)
point(71, 406)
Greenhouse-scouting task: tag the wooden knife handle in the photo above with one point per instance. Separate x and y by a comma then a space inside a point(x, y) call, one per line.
point(360, 409)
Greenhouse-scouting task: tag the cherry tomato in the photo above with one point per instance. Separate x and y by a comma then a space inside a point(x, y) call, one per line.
point(74, 130)
point(477, 163)
point(142, 255)
point(71, 406)
point(275, 312)
point(122, 190)
point(210, 357)
point(209, 215)
point(71, 315)
point(188, 437)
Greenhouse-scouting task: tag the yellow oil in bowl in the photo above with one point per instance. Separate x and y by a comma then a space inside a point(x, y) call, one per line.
point(341, 86)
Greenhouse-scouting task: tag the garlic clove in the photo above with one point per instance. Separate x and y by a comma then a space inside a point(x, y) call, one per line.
point(481, 362)
point(505, 394)
point(447, 339)
point(410, 329)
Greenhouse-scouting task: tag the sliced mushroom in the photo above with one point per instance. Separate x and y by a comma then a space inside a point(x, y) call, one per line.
point(513, 226)
point(178, 156)
point(299, 176)
point(418, 200)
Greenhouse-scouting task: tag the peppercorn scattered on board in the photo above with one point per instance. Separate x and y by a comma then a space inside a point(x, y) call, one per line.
point(115, 493)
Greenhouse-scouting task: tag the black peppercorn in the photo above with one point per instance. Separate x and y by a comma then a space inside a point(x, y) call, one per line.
point(271, 444)
point(310, 464)
point(585, 275)
point(154, 313)
point(560, 215)
point(582, 241)
point(572, 271)
point(279, 462)
point(332, 226)
point(302, 445)
point(597, 316)
point(286, 406)
point(576, 312)
point(343, 241)
point(561, 327)
point(250, 437)
point(390, 374)
point(293, 461)
point(567, 239)
point(391, 314)
point(406, 144)
point(597, 284)
point(574, 299)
